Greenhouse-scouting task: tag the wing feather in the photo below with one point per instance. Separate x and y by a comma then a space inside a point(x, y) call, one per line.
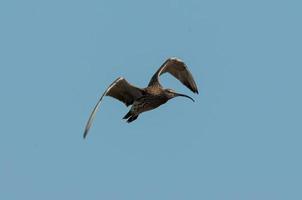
point(121, 90)
point(179, 70)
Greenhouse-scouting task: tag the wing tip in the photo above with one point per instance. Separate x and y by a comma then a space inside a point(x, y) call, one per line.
point(85, 134)
point(195, 91)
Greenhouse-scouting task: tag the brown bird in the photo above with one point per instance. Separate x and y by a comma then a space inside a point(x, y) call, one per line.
point(151, 97)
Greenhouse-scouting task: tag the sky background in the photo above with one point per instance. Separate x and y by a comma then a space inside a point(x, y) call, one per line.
point(241, 139)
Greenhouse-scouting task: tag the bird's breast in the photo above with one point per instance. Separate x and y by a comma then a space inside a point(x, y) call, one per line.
point(148, 102)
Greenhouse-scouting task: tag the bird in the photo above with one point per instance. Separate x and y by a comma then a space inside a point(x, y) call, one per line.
point(149, 98)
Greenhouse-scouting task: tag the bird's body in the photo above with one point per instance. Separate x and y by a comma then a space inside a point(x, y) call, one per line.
point(151, 97)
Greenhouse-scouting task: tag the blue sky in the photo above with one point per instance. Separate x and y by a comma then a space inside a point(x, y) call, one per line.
point(241, 139)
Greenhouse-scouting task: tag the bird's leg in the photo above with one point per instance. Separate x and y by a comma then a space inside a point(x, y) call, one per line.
point(132, 118)
point(128, 115)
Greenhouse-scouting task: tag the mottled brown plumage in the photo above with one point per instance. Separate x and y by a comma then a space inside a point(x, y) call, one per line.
point(151, 97)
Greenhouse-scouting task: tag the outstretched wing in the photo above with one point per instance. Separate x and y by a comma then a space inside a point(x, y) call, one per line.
point(179, 70)
point(122, 91)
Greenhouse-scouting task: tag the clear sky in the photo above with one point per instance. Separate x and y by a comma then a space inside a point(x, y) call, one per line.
point(241, 139)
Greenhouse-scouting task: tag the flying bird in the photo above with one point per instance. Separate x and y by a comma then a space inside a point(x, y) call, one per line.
point(151, 97)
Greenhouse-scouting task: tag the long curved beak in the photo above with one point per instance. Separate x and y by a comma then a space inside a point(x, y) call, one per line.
point(183, 95)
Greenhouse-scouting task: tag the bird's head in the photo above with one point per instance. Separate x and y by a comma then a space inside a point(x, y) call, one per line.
point(171, 94)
